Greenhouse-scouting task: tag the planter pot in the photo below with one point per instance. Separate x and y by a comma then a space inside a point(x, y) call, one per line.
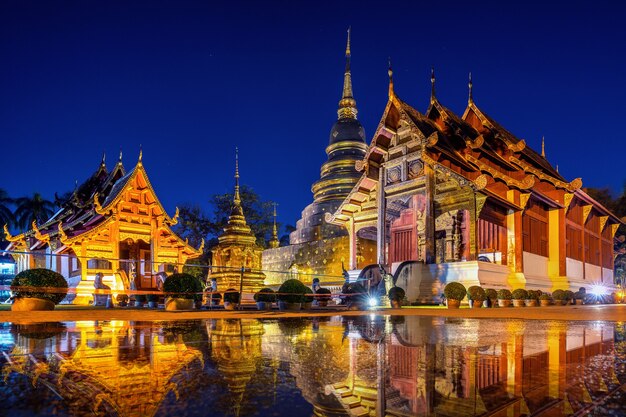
point(530, 303)
point(453, 303)
point(322, 303)
point(153, 304)
point(307, 306)
point(122, 304)
point(519, 303)
point(579, 302)
point(493, 302)
point(544, 303)
point(31, 304)
point(230, 306)
point(477, 303)
point(504, 303)
point(561, 302)
point(396, 304)
point(263, 305)
point(283, 306)
point(173, 304)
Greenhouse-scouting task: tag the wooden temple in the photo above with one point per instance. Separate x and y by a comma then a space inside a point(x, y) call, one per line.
point(113, 223)
point(451, 198)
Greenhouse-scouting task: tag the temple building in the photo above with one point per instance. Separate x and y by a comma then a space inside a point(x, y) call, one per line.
point(316, 247)
point(454, 198)
point(237, 257)
point(114, 224)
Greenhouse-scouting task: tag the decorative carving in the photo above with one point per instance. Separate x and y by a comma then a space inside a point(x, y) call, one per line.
point(432, 140)
point(328, 217)
point(567, 199)
point(134, 237)
point(481, 181)
point(96, 204)
point(62, 235)
point(523, 199)
point(416, 168)
point(174, 220)
point(394, 175)
point(526, 183)
point(603, 220)
point(201, 248)
point(10, 237)
point(571, 186)
point(614, 228)
point(576, 184)
point(476, 143)
point(481, 199)
point(517, 147)
point(38, 235)
point(586, 212)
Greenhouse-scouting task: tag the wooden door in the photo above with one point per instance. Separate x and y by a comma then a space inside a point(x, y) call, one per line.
point(145, 269)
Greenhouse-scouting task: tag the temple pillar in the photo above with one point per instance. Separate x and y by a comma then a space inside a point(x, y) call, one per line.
point(382, 209)
point(515, 245)
point(429, 215)
point(557, 339)
point(556, 246)
point(352, 242)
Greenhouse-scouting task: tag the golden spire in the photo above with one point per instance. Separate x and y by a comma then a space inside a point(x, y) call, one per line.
point(274, 242)
point(104, 157)
point(237, 198)
point(119, 160)
point(543, 146)
point(140, 155)
point(432, 84)
point(557, 168)
point(390, 73)
point(470, 99)
point(347, 104)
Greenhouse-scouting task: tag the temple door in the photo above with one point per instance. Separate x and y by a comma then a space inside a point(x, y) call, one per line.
point(145, 269)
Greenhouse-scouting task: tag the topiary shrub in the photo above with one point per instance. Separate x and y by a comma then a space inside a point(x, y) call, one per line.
point(579, 295)
point(568, 295)
point(545, 296)
point(308, 295)
point(39, 283)
point(396, 294)
point(533, 295)
point(491, 293)
point(291, 291)
point(559, 295)
point(476, 293)
point(323, 294)
point(455, 291)
point(519, 294)
point(504, 294)
point(183, 285)
point(232, 296)
point(265, 295)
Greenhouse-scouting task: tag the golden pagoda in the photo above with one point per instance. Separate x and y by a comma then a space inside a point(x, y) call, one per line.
point(317, 247)
point(237, 257)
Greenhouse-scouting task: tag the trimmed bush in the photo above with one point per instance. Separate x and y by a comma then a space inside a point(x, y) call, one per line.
point(533, 295)
point(291, 291)
point(323, 294)
point(396, 294)
point(183, 285)
point(476, 293)
point(39, 283)
point(265, 295)
point(504, 294)
point(579, 295)
point(545, 296)
point(559, 295)
point(569, 295)
point(308, 295)
point(455, 291)
point(232, 296)
point(519, 294)
point(491, 293)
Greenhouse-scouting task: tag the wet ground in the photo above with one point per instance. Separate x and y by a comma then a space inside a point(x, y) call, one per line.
point(326, 366)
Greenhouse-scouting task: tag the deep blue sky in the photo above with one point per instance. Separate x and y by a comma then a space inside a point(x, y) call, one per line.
point(189, 81)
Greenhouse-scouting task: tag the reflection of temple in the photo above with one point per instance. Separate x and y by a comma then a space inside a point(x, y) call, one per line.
point(115, 367)
point(113, 222)
point(237, 257)
point(317, 247)
point(454, 198)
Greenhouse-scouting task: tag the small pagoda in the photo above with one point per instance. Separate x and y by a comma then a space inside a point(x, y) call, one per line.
point(237, 257)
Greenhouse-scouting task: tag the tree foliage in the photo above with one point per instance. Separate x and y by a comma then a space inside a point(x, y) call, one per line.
point(32, 208)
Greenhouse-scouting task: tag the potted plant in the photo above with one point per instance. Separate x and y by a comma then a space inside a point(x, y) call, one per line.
point(122, 300)
point(307, 302)
point(396, 295)
point(181, 290)
point(504, 297)
point(264, 299)
point(454, 292)
point(290, 295)
point(532, 298)
point(323, 297)
point(356, 296)
point(545, 300)
point(569, 297)
point(519, 297)
point(492, 296)
point(231, 299)
point(476, 295)
point(216, 297)
point(37, 289)
point(579, 298)
point(153, 300)
point(559, 297)
point(140, 300)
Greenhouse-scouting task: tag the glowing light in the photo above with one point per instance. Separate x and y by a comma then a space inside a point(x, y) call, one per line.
point(373, 301)
point(599, 289)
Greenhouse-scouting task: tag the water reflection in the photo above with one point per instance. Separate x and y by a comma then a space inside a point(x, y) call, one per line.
point(364, 365)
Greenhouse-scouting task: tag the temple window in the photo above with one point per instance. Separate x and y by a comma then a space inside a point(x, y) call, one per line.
point(492, 234)
point(535, 228)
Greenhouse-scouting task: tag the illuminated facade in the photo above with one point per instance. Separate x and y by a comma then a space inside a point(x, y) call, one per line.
point(318, 247)
point(454, 198)
point(114, 224)
point(237, 257)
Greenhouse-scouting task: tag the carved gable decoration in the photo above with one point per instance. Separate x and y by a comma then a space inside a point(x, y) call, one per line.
point(416, 168)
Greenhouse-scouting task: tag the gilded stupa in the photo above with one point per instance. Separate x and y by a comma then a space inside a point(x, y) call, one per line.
point(237, 257)
point(317, 247)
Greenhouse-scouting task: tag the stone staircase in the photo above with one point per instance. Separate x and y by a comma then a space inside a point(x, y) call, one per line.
point(361, 401)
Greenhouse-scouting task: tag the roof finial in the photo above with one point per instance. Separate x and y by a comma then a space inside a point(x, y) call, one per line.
point(104, 157)
point(557, 168)
point(432, 83)
point(470, 85)
point(119, 161)
point(140, 153)
point(543, 146)
point(390, 73)
point(347, 104)
point(237, 198)
point(274, 242)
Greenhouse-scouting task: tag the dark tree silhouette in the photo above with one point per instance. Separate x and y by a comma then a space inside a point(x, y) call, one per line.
point(32, 208)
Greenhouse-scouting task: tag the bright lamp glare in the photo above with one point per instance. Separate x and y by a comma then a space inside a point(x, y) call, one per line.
point(598, 290)
point(373, 301)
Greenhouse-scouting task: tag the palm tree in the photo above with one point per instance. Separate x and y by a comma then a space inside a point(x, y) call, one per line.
point(32, 208)
point(6, 214)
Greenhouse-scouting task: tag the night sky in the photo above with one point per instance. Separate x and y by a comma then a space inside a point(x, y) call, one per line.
point(189, 81)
